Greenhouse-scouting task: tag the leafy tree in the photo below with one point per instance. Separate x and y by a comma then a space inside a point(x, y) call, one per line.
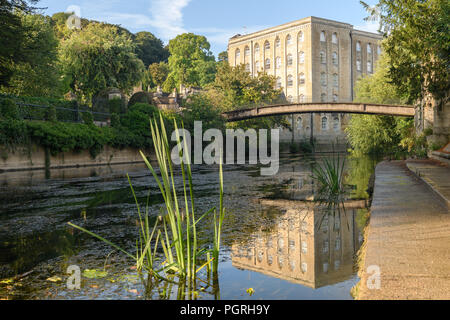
point(98, 57)
point(200, 108)
point(417, 43)
point(149, 48)
point(158, 73)
point(223, 56)
point(12, 35)
point(191, 62)
point(39, 74)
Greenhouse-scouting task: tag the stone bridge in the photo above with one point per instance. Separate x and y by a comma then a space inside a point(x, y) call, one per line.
point(336, 107)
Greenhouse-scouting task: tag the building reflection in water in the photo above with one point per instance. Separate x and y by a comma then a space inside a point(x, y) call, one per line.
point(308, 245)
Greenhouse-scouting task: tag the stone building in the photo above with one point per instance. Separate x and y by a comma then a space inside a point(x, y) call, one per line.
point(313, 60)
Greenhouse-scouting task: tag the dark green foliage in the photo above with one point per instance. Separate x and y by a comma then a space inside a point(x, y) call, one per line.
point(140, 97)
point(116, 105)
point(8, 109)
point(51, 114)
point(149, 48)
point(199, 108)
point(115, 120)
point(88, 118)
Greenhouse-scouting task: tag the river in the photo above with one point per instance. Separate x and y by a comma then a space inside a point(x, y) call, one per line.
point(277, 243)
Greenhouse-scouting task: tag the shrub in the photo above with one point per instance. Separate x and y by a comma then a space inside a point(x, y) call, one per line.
point(9, 109)
point(88, 118)
point(116, 105)
point(51, 114)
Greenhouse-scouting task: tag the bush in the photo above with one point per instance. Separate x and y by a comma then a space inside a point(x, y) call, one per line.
point(9, 109)
point(51, 114)
point(116, 105)
point(115, 120)
point(88, 118)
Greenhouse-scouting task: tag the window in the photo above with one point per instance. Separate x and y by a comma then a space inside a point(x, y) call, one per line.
point(301, 57)
point(304, 247)
point(290, 99)
point(358, 46)
point(378, 50)
point(323, 38)
point(337, 244)
point(335, 80)
point(278, 62)
point(323, 79)
point(369, 67)
point(335, 58)
point(304, 267)
point(323, 57)
point(325, 246)
point(336, 122)
point(238, 57)
point(334, 38)
point(335, 98)
point(358, 65)
point(301, 37)
point(301, 99)
point(277, 42)
point(269, 260)
point(247, 67)
point(280, 261)
point(267, 64)
point(267, 45)
point(323, 97)
point(289, 39)
point(324, 123)
point(337, 264)
point(299, 122)
point(301, 79)
point(278, 83)
point(247, 51)
point(369, 49)
point(280, 244)
point(260, 256)
point(325, 267)
point(256, 49)
point(292, 265)
point(290, 60)
point(290, 81)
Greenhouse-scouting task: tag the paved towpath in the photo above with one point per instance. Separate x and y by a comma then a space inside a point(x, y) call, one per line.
point(408, 236)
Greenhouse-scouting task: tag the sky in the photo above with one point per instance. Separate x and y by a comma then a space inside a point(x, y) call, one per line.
point(217, 20)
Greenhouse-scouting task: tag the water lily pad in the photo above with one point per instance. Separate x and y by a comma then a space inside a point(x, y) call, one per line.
point(94, 274)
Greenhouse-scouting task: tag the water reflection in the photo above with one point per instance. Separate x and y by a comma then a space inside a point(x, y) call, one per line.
point(309, 245)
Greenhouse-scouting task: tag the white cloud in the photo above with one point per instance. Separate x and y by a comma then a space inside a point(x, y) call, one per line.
point(167, 17)
point(369, 26)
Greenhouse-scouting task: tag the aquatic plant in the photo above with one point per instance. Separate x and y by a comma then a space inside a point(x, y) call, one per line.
point(175, 231)
point(330, 178)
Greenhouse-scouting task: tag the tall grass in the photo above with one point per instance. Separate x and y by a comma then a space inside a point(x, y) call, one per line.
point(175, 232)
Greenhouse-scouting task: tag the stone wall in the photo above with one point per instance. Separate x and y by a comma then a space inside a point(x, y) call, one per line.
point(33, 158)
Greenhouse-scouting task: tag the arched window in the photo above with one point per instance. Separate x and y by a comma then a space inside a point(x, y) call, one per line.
point(299, 123)
point(323, 79)
point(290, 99)
point(301, 37)
point(304, 267)
point(301, 57)
point(267, 45)
point(323, 38)
point(335, 98)
point(358, 46)
point(292, 265)
point(335, 58)
point(323, 97)
point(267, 64)
point(378, 50)
point(289, 39)
point(247, 67)
point(277, 42)
point(369, 49)
point(301, 79)
point(324, 123)
point(257, 66)
point(323, 57)
point(290, 80)
point(247, 51)
point(334, 38)
point(369, 67)
point(336, 80)
point(290, 60)
point(269, 260)
point(304, 247)
point(278, 62)
point(278, 83)
point(280, 261)
point(256, 49)
point(358, 65)
point(238, 57)
point(301, 99)
point(336, 123)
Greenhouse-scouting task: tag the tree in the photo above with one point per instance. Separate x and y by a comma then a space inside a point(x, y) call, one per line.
point(417, 43)
point(39, 74)
point(149, 48)
point(99, 57)
point(191, 61)
point(12, 35)
point(158, 73)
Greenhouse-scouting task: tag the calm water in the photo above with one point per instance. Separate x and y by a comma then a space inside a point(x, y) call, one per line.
point(275, 240)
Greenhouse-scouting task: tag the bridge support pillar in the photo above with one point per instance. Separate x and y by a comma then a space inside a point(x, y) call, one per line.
point(311, 135)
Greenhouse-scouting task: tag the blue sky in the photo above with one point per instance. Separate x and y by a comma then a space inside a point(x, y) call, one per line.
point(217, 20)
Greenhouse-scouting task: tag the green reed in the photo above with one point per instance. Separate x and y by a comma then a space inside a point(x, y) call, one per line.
point(175, 232)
